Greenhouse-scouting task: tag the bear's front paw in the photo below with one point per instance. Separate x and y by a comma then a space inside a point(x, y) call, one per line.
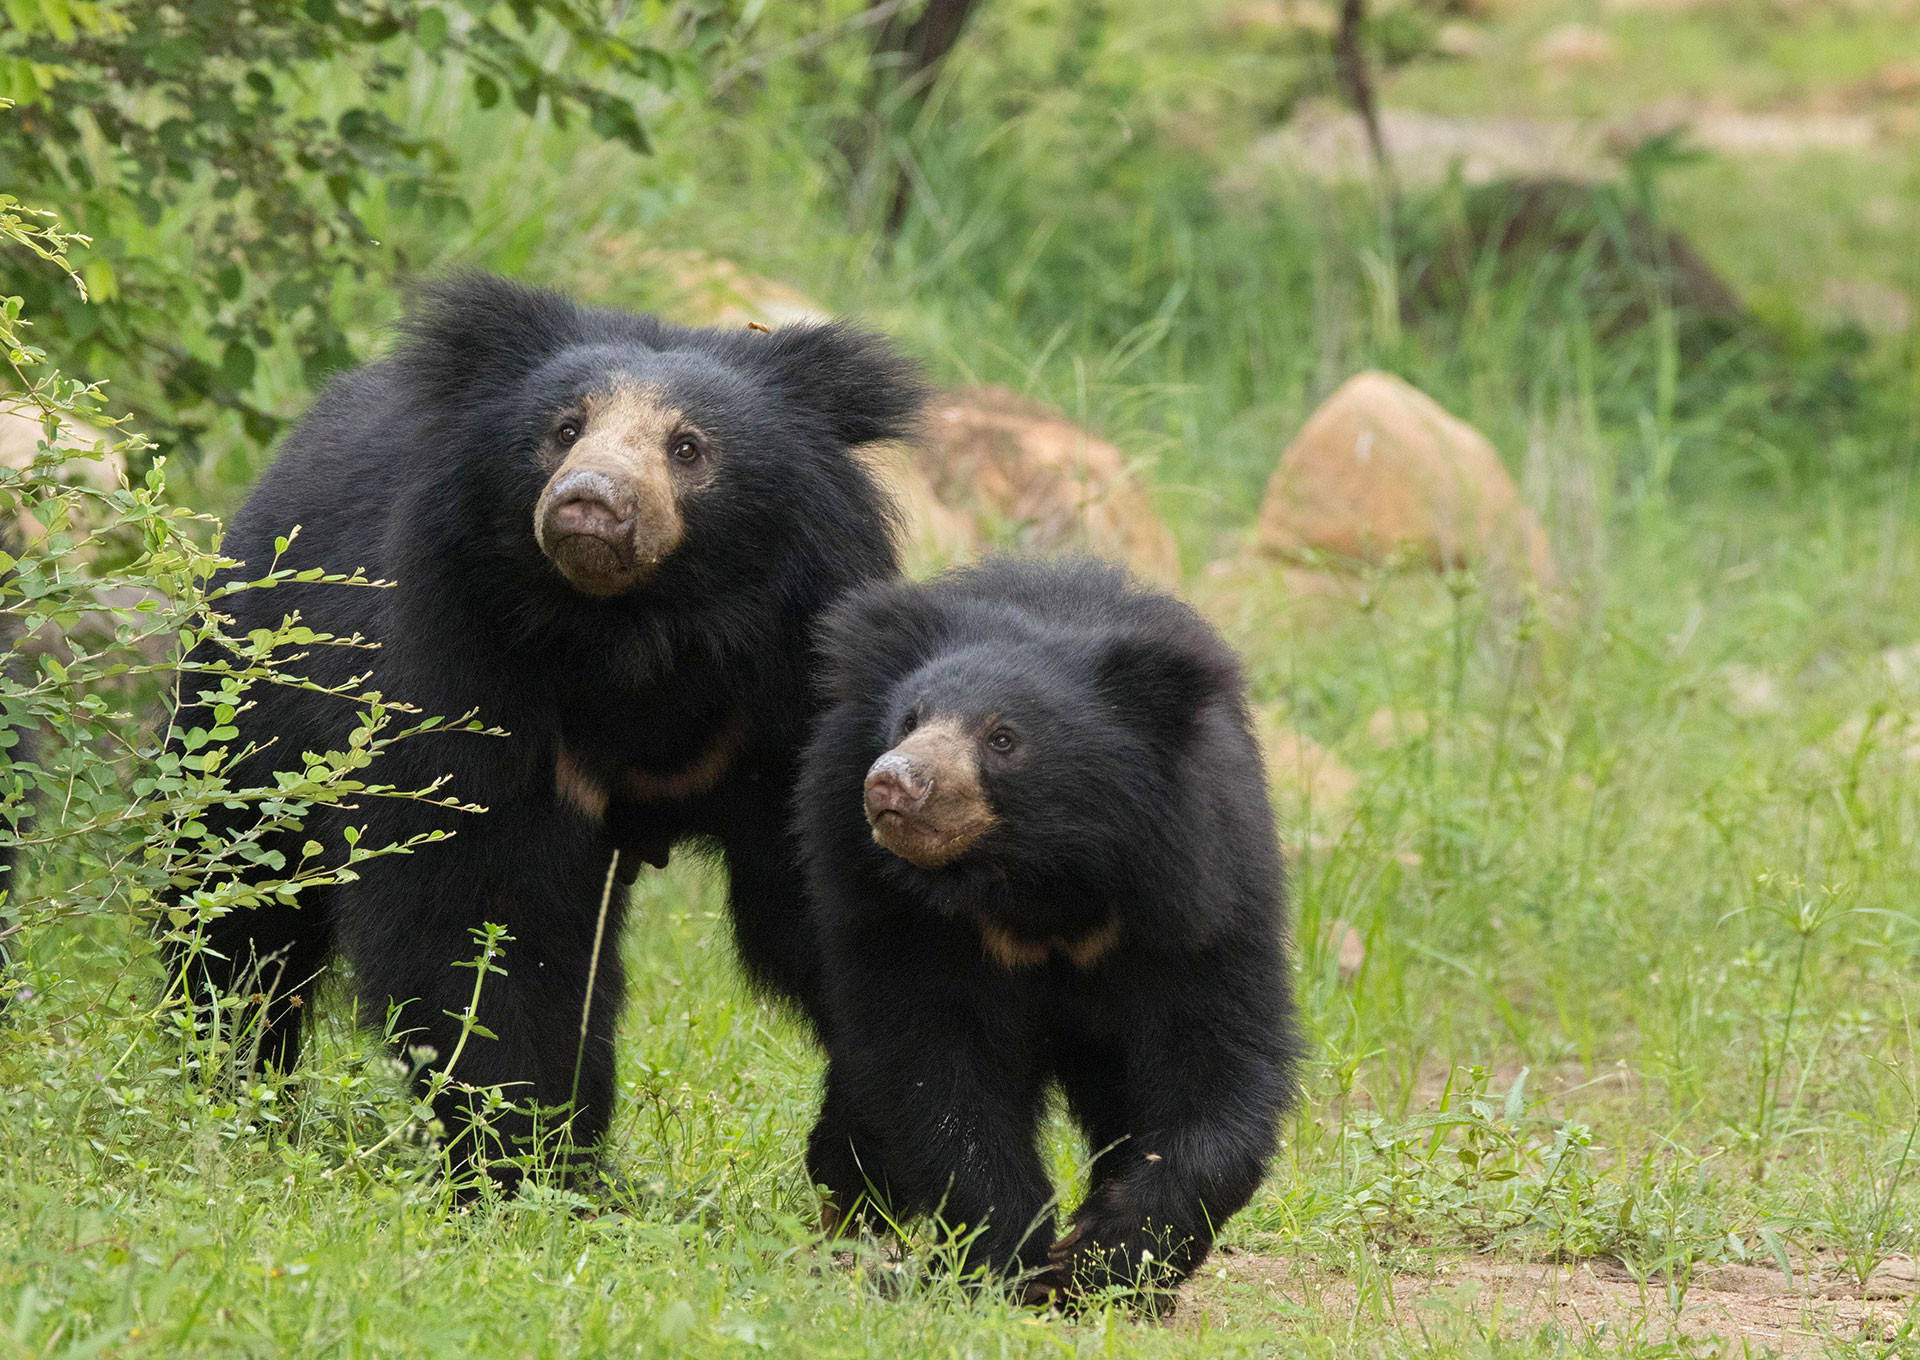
point(1108, 1259)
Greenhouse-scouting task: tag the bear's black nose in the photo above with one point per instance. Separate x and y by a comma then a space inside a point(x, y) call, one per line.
point(897, 784)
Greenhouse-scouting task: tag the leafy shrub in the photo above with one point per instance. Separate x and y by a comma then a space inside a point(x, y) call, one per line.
point(106, 584)
point(220, 156)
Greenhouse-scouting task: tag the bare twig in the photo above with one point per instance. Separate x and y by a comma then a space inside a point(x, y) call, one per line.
point(593, 974)
point(1356, 82)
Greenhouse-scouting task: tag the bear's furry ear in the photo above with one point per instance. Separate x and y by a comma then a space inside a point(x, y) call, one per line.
point(875, 634)
point(1161, 685)
point(469, 332)
point(853, 381)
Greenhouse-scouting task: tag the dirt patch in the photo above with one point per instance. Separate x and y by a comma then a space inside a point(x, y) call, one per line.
point(1328, 143)
point(1325, 142)
point(1746, 1309)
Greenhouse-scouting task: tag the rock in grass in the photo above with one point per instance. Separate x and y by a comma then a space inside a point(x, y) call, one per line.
point(1572, 46)
point(1309, 781)
point(697, 288)
point(21, 434)
point(1381, 471)
point(1348, 947)
point(933, 533)
point(1011, 461)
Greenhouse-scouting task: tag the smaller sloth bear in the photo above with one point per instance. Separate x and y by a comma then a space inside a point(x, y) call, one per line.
point(1040, 847)
point(611, 537)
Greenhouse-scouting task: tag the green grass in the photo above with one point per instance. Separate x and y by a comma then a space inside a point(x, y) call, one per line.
point(1610, 859)
point(1634, 874)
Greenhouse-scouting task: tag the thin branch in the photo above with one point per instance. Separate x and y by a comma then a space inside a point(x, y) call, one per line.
point(1356, 82)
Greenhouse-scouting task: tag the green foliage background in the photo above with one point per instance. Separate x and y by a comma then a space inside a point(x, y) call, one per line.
point(221, 156)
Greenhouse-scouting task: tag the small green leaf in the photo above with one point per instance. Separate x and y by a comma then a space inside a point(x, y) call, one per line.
point(237, 364)
point(1777, 1246)
point(1517, 1098)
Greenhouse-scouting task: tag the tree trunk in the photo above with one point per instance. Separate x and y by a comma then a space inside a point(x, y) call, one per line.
point(907, 56)
point(1356, 82)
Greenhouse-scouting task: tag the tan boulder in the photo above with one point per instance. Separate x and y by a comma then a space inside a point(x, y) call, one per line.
point(932, 533)
point(1381, 469)
point(1307, 778)
point(1348, 947)
point(1026, 467)
point(21, 433)
point(1571, 46)
point(697, 288)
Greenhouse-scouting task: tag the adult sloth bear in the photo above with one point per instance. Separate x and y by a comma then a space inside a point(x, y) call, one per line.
point(609, 536)
point(1041, 849)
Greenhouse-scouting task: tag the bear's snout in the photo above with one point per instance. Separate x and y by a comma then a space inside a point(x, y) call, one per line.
point(610, 512)
point(924, 798)
point(590, 503)
point(587, 528)
point(897, 784)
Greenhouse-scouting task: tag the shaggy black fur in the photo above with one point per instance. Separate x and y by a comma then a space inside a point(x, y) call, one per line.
point(425, 469)
point(1132, 829)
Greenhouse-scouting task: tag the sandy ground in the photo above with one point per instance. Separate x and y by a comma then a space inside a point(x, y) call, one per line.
point(1748, 1310)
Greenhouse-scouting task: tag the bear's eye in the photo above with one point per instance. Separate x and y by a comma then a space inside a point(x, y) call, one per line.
point(568, 433)
point(908, 723)
point(686, 449)
point(1003, 740)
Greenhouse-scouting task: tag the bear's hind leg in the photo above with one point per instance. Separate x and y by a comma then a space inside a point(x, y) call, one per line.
point(848, 1165)
point(767, 896)
point(515, 1024)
